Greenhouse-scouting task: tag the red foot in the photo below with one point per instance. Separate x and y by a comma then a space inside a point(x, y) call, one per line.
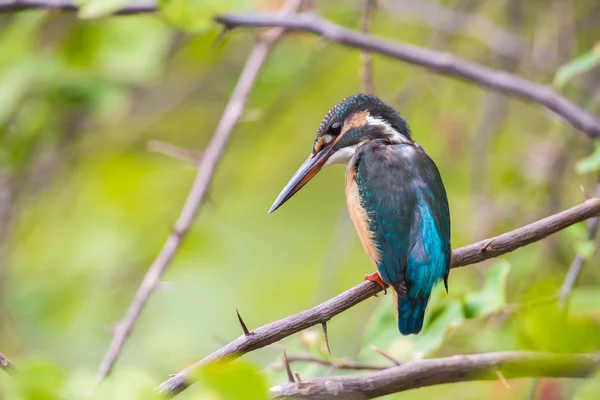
point(375, 277)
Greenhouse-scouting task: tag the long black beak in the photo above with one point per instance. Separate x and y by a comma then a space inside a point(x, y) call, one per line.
point(305, 173)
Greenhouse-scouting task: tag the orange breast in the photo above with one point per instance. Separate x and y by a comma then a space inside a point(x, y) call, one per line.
point(359, 217)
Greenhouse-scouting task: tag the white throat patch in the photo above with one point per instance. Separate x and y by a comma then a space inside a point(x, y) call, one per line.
point(341, 156)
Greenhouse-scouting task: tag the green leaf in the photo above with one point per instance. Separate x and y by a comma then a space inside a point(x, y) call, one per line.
point(492, 297)
point(196, 15)
point(382, 327)
point(15, 83)
point(590, 163)
point(40, 380)
point(100, 8)
point(234, 380)
point(578, 66)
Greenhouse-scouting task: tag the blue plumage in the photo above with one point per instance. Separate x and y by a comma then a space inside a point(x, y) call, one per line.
point(407, 209)
point(395, 197)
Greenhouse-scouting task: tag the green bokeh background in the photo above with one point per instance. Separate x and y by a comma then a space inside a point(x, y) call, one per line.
point(90, 206)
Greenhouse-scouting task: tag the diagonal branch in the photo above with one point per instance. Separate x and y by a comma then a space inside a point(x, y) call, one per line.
point(577, 264)
point(422, 373)
point(6, 364)
point(211, 157)
point(366, 70)
point(505, 43)
point(467, 255)
point(440, 62)
point(135, 7)
point(335, 364)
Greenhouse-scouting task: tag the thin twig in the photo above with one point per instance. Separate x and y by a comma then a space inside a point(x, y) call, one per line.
point(179, 153)
point(288, 369)
point(503, 379)
point(421, 373)
point(505, 43)
point(336, 364)
point(366, 71)
point(6, 364)
point(440, 62)
point(139, 7)
point(578, 261)
point(386, 355)
point(231, 115)
point(471, 254)
point(326, 336)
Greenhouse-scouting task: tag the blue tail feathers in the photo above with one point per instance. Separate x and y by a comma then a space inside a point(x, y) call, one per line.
point(411, 313)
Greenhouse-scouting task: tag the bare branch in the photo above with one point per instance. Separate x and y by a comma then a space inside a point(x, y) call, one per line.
point(136, 7)
point(471, 254)
point(578, 261)
point(288, 369)
point(440, 62)
point(335, 364)
point(422, 373)
point(326, 336)
point(179, 153)
point(6, 364)
point(211, 157)
point(449, 21)
point(366, 71)
point(525, 235)
point(386, 355)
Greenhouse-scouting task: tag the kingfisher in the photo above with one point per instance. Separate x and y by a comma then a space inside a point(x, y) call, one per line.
point(395, 197)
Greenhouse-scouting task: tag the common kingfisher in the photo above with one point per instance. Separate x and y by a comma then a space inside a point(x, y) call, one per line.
point(395, 197)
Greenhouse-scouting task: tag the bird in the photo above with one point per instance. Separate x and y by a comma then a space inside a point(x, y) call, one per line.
point(395, 197)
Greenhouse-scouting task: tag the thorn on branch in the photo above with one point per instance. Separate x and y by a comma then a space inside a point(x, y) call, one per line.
point(487, 246)
point(6, 364)
point(585, 193)
point(297, 376)
point(220, 37)
point(178, 153)
point(243, 324)
point(503, 379)
point(324, 326)
point(288, 369)
point(386, 355)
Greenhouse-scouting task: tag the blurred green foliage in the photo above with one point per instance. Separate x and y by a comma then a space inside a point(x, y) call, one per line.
point(90, 206)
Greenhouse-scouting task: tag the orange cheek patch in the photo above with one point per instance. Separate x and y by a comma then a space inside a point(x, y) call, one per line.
point(319, 145)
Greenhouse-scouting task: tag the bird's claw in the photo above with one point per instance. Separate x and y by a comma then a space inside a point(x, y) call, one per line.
point(375, 277)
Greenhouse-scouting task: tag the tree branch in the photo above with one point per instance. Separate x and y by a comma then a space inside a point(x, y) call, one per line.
point(6, 364)
point(503, 42)
point(578, 261)
point(422, 373)
point(170, 150)
point(335, 364)
point(467, 255)
point(440, 62)
point(136, 7)
point(211, 157)
point(366, 71)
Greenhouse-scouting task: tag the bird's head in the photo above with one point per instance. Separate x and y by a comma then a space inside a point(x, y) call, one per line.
point(351, 123)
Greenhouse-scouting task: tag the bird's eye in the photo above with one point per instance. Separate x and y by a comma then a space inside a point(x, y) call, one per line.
point(335, 129)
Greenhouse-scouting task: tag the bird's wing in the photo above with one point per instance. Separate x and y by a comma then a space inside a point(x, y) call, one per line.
point(401, 191)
